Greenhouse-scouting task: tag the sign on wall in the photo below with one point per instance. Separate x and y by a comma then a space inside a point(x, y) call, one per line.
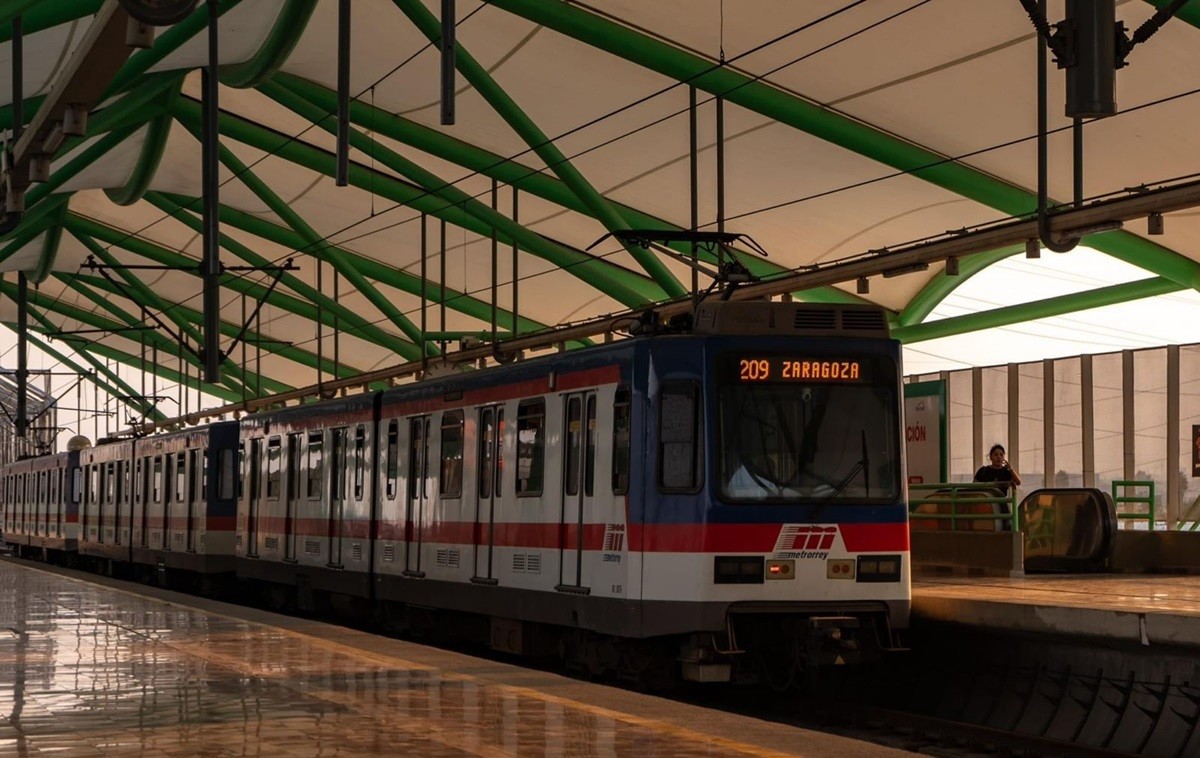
point(925, 432)
point(1196, 450)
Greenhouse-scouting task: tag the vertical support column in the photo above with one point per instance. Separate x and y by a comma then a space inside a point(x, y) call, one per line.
point(720, 164)
point(210, 263)
point(976, 415)
point(442, 290)
point(1173, 437)
point(342, 172)
point(1128, 435)
point(424, 290)
point(495, 263)
point(516, 276)
point(449, 51)
point(1087, 406)
point(22, 423)
point(1014, 415)
point(18, 79)
point(1049, 469)
point(694, 189)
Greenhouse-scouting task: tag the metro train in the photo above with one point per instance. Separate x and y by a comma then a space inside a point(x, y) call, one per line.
point(723, 498)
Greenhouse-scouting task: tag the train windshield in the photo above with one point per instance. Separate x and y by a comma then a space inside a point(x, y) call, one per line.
point(812, 431)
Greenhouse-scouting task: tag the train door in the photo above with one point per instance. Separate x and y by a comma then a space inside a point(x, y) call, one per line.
point(337, 494)
point(418, 491)
point(491, 425)
point(579, 474)
point(194, 475)
point(255, 470)
point(292, 501)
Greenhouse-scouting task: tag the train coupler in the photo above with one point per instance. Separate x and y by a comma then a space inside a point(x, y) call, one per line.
point(834, 641)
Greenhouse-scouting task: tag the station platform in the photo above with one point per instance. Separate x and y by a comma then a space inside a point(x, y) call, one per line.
point(1144, 609)
point(92, 666)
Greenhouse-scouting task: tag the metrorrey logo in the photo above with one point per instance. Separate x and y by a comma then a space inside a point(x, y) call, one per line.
point(805, 541)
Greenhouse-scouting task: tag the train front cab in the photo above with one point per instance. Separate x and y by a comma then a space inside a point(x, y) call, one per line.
point(184, 498)
point(774, 520)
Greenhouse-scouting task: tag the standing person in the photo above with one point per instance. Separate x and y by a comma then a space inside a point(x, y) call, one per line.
point(998, 470)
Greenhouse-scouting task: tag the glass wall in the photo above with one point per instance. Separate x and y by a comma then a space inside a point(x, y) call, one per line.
point(1128, 430)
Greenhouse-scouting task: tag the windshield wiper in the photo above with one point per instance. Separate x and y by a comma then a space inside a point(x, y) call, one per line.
point(862, 464)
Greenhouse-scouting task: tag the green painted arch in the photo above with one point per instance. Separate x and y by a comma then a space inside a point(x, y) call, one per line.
point(50, 245)
point(280, 41)
point(153, 148)
point(939, 287)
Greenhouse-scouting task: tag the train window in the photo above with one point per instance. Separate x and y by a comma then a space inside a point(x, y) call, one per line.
point(197, 477)
point(589, 456)
point(225, 474)
point(418, 458)
point(255, 472)
point(77, 486)
point(273, 455)
point(452, 454)
point(315, 443)
point(337, 467)
point(574, 443)
point(94, 489)
point(393, 457)
point(241, 468)
point(202, 475)
point(119, 486)
point(620, 446)
point(181, 482)
point(531, 444)
point(360, 458)
point(158, 478)
point(487, 444)
point(677, 438)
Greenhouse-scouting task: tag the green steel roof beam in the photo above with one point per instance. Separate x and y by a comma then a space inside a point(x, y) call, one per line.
point(34, 223)
point(271, 346)
point(322, 102)
point(1055, 306)
point(164, 44)
point(39, 15)
point(123, 391)
point(150, 300)
point(280, 41)
point(1190, 12)
point(536, 139)
point(164, 256)
point(332, 313)
point(937, 288)
point(829, 125)
point(504, 226)
point(628, 287)
point(88, 286)
point(381, 272)
point(50, 246)
point(318, 249)
point(30, 105)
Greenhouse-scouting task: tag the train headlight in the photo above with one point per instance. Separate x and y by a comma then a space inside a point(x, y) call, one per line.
point(781, 569)
point(879, 568)
point(839, 568)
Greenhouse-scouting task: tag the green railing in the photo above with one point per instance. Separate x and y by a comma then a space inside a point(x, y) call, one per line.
point(1126, 485)
point(960, 494)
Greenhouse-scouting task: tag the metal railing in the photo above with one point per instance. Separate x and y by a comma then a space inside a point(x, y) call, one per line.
point(957, 495)
point(1134, 484)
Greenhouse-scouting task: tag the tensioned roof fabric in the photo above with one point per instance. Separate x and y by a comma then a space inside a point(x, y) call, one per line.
point(848, 126)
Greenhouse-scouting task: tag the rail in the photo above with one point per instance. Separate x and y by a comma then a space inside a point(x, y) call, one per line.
point(1125, 485)
point(951, 493)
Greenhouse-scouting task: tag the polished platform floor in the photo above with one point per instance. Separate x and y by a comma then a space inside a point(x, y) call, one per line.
point(1146, 609)
point(89, 667)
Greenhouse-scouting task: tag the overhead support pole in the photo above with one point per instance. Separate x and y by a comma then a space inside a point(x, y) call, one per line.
point(520, 122)
point(22, 421)
point(449, 49)
point(210, 262)
point(342, 175)
point(18, 78)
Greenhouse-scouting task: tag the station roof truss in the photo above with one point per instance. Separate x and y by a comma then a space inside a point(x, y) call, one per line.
point(851, 131)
